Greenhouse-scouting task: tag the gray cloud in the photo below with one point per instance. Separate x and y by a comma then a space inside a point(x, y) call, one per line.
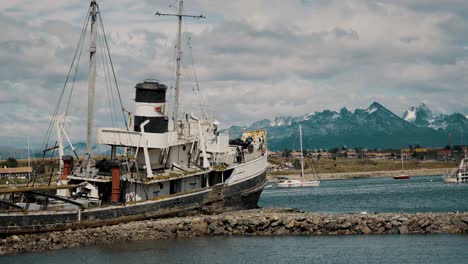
point(254, 59)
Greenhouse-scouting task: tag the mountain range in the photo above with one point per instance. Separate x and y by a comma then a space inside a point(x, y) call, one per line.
point(374, 127)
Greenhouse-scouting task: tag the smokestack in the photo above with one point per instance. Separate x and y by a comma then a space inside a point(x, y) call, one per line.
point(150, 104)
point(67, 166)
point(115, 197)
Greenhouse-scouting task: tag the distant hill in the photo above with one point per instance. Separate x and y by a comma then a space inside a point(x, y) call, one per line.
point(374, 127)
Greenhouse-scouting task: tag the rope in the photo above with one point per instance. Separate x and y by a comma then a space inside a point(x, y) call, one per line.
point(57, 107)
point(112, 66)
point(105, 73)
point(76, 71)
point(194, 72)
point(75, 74)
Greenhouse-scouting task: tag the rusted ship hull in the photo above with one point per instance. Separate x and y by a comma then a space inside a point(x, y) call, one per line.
point(216, 199)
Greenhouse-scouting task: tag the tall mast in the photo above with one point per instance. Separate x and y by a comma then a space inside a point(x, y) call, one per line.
point(180, 15)
point(302, 156)
point(91, 83)
point(179, 57)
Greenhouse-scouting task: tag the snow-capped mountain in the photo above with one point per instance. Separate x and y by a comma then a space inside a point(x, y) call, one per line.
point(373, 127)
point(423, 116)
point(420, 116)
point(280, 121)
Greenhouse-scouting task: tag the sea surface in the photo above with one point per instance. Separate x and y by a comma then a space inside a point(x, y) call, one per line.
point(293, 249)
point(420, 194)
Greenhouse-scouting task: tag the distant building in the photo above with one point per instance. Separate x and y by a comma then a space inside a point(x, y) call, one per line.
point(351, 154)
point(295, 154)
point(19, 172)
point(325, 155)
point(379, 155)
point(444, 154)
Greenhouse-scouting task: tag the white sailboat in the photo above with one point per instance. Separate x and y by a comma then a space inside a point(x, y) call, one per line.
point(301, 182)
point(402, 175)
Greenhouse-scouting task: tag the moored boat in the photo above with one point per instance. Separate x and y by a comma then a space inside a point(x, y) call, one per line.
point(175, 165)
point(287, 183)
point(402, 175)
point(459, 175)
point(297, 183)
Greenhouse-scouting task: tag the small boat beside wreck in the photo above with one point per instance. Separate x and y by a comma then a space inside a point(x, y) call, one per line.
point(177, 165)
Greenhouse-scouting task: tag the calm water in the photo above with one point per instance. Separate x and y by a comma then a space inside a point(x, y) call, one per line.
point(419, 194)
point(422, 194)
point(327, 249)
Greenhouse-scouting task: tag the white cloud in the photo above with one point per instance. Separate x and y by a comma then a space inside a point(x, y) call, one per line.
point(254, 59)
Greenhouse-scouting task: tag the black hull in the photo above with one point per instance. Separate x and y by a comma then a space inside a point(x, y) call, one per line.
point(216, 199)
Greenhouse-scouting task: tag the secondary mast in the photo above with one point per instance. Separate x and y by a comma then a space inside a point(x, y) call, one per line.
point(179, 57)
point(180, 15)
point(302, 155)
point(91, 85)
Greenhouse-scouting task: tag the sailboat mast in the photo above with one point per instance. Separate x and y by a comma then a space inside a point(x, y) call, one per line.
point(302, 156)
point(29, 163)
point(91, 83)
point(401, 159)
point(179, 57)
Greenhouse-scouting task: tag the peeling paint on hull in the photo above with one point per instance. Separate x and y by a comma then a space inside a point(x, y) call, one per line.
point(216, 199)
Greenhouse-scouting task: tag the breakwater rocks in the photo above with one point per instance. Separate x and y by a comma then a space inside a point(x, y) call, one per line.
point(260, 222)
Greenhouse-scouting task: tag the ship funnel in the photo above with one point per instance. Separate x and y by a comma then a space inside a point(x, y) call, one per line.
point(67, 166)
point(115, 194)
point(150, 104)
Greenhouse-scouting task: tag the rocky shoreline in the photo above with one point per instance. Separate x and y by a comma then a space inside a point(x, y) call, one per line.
point(259, 222)
point(365, 174)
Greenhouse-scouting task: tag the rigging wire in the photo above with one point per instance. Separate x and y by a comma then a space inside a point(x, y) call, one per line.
point(112, 66)
point(57, 107)
point(104, 71)
point(72, 75)
point(76, 71)
point(195, 76)
point(172, 5)
point(108, 83)
point(189, 44)
point(75, 74)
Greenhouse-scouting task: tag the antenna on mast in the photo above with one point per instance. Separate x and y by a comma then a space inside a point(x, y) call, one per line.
point(179, 55)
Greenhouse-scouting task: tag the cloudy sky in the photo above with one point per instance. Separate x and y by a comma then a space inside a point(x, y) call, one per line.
point(253, 59)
